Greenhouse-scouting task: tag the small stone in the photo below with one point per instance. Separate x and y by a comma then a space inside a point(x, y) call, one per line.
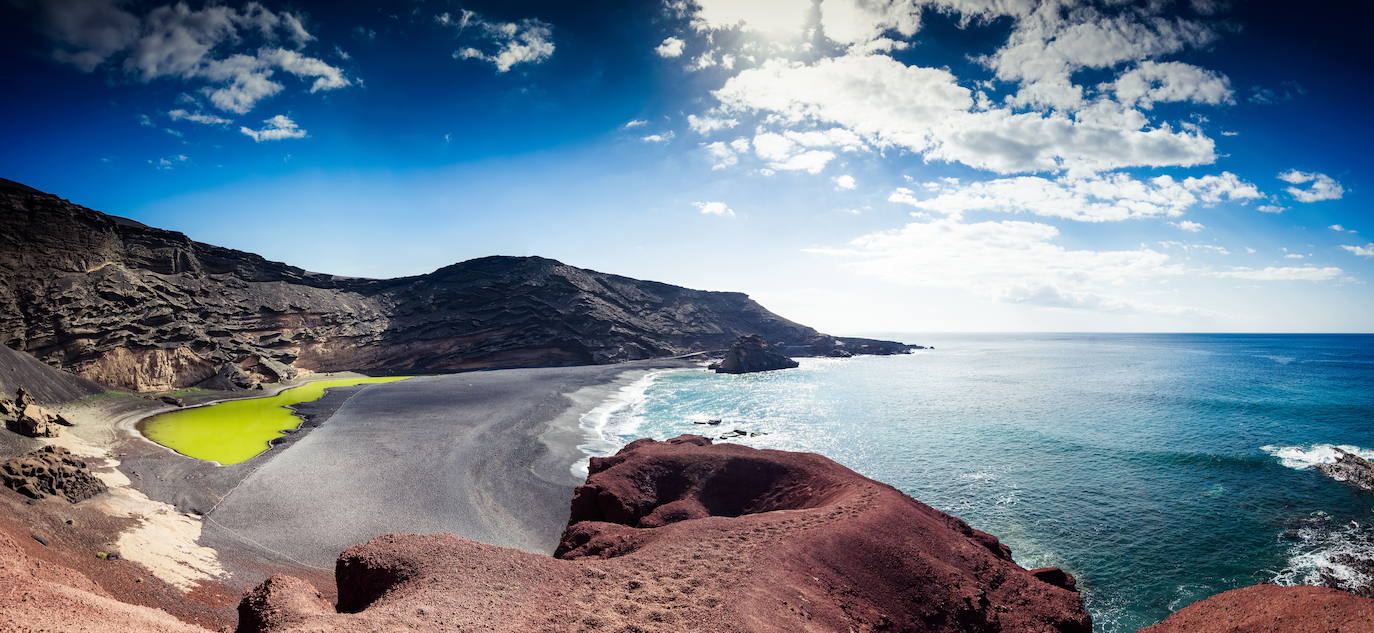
point(41, 541)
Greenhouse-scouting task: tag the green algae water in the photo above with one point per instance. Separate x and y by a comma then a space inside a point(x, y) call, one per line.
point(236, 431)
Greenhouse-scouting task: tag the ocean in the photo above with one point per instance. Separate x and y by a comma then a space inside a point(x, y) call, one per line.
point(1158, 469)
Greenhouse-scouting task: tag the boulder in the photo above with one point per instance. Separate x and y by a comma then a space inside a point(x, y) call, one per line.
point(50, 470)
point(25, 417)
point(751, 353)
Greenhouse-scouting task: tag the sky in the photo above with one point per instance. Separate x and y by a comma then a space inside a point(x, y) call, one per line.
point(855, 165)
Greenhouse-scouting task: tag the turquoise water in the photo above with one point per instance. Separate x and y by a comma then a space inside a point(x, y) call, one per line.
point(1159, 469)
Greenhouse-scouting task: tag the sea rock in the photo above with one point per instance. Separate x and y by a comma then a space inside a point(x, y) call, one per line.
point(139, 308)
point(750, 354)
point(1273, 609)
point(50, 470)
point(1350, 468)
point(686, 535)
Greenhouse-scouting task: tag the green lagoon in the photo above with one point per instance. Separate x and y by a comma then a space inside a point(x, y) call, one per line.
point(236, 431)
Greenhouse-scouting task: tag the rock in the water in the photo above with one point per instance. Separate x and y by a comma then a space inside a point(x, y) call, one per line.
point(1273, 609)
point(50, 470)
point(1350, 468)
point(27, 418)
point(749, 354)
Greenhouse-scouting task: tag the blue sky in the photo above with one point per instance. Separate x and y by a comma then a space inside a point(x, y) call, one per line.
point(856, 165)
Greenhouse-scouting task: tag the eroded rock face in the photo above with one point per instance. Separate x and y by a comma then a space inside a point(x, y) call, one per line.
point(139, 308)
point(50, 470)
point(1350, 468)
point(750, 354)
point(1273, 609)
point(685, 535)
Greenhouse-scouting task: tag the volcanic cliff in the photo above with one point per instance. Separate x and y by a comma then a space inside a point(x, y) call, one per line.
point(140, 308)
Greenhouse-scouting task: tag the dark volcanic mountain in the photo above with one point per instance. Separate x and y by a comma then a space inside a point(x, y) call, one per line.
point(141, 308)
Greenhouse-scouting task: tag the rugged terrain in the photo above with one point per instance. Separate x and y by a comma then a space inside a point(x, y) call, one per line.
point(139, 308)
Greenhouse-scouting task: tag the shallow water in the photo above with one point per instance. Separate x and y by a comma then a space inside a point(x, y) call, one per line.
point(1159, 469)
point(236, 431)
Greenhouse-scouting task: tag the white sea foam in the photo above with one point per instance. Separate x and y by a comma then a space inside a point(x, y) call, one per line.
point(619, 415)
point(1328, 553)
point(1304, 457)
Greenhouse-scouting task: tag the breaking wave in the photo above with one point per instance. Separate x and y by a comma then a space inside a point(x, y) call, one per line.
point(1302, 458)
point(1329, 553)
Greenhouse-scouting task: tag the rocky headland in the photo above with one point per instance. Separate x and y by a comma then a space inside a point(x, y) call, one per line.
point(139, 308)
point(750, 354)
point(1350, 468)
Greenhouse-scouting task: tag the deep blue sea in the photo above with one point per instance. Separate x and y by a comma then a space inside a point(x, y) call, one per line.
point(1158, 469)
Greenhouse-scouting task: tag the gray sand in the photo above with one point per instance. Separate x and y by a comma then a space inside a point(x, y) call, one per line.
point(485, 455)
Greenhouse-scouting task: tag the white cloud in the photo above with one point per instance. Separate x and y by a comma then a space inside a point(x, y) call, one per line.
point(633, 123)
point(1106, 198)
point(191, 44)
point(768, 16)
point(925, 110)
point(1012, 261)
point(709, 124)
point(169, 162)
point(503, 44)
point(1336, 227)
point(278, 127)
point(1363, 251)
point(671, 47)
point(1189, 226)
point(1282, 273)
point(845, 182)
point(1271, 208)
point(714, 208)
point(197, 117)
point(1151, 82)
point(1322, 187)
point(658, 138)
point(863, 21)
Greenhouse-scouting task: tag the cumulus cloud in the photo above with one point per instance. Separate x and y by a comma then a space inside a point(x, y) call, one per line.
point(925, 110)
point(1151, 82)
point(658, 138)
point(714, 208)
point(1363, 251)
point(1271, 208)
point(277, 128)
point(767, 16)
point(708, 124)
point(1319, 186)
point(845, 182)
point(1106, 198)
point(503, 44)
point(671, 47)
point(176, 41)
point(634, 123)
point(1189, 226)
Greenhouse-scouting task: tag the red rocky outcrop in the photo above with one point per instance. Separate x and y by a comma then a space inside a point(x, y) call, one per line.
point(1273, 609)
point(684, 535)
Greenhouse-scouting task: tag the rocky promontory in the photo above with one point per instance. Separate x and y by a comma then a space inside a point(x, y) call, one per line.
point(144, 309)
point(1273, 609)
point(750, 354)
point(685, 535)
point(1350, 468)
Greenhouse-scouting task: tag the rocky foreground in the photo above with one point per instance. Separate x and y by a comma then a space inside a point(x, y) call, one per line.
point(139, 308)
point(682, 535)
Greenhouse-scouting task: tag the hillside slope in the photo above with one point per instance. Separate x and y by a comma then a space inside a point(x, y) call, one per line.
point(135, 307)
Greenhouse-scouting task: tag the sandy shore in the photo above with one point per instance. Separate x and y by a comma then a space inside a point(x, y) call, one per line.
point(485, 455)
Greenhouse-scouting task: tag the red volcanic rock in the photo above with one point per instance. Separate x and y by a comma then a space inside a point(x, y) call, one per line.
point(684, 535)
point(1273, 609)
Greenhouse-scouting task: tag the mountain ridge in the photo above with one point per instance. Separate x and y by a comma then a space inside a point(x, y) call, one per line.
point(146, 309)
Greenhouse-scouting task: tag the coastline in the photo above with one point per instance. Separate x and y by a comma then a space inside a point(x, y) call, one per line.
point(486, 455)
